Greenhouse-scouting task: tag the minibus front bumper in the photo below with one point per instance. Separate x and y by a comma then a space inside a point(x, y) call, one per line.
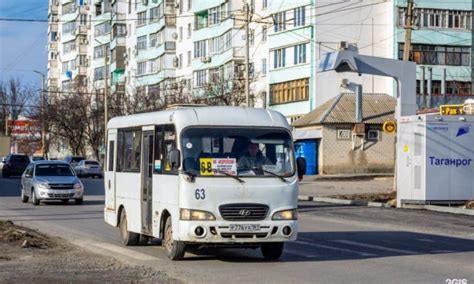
point(237, 232)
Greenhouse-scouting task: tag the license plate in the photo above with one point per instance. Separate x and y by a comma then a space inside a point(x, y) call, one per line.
point(63, 192)
point(244, 227)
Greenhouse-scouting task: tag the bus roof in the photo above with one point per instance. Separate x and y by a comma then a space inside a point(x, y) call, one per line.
point(211, 116)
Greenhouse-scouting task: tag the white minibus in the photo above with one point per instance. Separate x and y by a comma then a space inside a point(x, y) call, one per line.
point(202, 176)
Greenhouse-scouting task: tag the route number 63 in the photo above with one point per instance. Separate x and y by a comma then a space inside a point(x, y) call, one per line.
point(200, 193)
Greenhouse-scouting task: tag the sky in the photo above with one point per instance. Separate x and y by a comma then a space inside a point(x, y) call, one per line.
point(23, 45)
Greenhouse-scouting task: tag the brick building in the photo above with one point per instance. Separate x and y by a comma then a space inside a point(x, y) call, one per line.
point(338, 148)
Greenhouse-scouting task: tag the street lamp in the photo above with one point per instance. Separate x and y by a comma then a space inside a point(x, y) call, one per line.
point(43, 130)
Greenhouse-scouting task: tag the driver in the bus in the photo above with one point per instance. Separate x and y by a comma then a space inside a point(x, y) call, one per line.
point(253, 158)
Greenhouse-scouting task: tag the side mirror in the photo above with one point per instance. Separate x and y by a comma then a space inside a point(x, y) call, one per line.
point(301, 167)
point(175, 159)
point(4, 160)
point(28, 175)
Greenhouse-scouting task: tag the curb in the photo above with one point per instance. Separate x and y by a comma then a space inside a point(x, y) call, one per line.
point(442, 209)
point(342, 201)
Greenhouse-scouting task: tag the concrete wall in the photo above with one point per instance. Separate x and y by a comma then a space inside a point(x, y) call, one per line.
point(337, 157)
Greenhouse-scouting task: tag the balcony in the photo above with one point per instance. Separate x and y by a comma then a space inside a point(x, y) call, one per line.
point(79, 71)
point(53, 27)
point(83, 49)
point(53, 46)
point(53, 9)
point(52, 64)
point(52, 83)
point(117, 88)
point(80, 30)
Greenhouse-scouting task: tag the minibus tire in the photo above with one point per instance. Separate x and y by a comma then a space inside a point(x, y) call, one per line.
point(272, 251)
point(174, 249)
point(128, 238)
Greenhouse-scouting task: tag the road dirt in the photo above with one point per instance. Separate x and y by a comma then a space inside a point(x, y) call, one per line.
point(28, 256)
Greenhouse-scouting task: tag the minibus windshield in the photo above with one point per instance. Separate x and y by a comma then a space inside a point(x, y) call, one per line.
point(237, 151)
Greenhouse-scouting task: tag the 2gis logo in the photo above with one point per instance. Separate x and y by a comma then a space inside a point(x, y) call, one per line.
point(456, 281)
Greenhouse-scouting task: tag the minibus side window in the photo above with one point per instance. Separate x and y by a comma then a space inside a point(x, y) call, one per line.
point(158, 150)
point(129, 150)
point(169, 143)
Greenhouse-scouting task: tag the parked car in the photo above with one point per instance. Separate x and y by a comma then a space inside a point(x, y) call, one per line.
point(51, 180)
point(89, 168)
point(14, 164)
point(73, 160)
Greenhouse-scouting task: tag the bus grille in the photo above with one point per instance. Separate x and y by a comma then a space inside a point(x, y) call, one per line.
point(243, 212)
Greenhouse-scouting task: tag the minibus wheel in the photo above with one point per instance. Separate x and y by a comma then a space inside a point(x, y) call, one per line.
point(174, 249)
point(128, 238)
point(272, 251)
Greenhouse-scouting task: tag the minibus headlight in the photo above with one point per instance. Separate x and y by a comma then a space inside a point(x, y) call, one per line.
point(286, 215)
point(196, 215)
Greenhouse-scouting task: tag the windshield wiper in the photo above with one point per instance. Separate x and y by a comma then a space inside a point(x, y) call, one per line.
point(271, 173)
point(229, 175)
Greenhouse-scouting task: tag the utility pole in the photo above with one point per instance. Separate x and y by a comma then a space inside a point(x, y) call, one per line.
point(247, 54)
point(408, 29)
point(105, 96)
point(43, 128)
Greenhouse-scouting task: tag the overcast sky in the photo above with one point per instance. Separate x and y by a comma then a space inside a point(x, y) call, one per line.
point(23, 44)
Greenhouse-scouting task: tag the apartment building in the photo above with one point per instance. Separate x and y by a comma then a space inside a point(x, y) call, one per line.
point(52, 83)
point(442, 47)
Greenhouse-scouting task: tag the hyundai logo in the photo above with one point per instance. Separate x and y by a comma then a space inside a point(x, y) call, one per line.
point(244, 212)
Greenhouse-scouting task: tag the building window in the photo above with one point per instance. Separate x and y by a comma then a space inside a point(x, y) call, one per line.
point(200, 78)
point(264, 34)
point(154, 14)
point(141, 42)
point(201, 20)
point(264, 66)
point(264, 4)
point(69, 8)
point(102, 29)
point(290, 91)
point(438, 54)
point(99, 73)
point(69, 27)
point(251, 36)
point(279, 21)
point(300, 53)
point(180, 33)
point(438, 18)
point(155, 65)
point(214, 16)
point(99, 51)
point(299, 16)
point(141, 18)
point(279, 58)
point(180, 60)
point(155, 39)
point(189, 30)
point(83, 20)
point(200, 49)
point(141, 68)
point(120, 30)
point(189, 58)
point(69, 46)
point(452, 88)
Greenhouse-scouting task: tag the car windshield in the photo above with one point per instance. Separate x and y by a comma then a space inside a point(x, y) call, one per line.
point(53, 170)
point(91, 163)
point(237, 151)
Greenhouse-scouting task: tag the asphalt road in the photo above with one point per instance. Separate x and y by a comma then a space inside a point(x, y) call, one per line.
point(336, 244)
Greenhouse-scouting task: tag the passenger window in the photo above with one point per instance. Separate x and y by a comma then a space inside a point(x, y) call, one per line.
point(165, 141)
point(129, 150)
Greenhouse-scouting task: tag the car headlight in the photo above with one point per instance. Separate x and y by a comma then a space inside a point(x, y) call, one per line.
point(43, 185)
point(77, 186)
point(291, 214)
point(189, 214)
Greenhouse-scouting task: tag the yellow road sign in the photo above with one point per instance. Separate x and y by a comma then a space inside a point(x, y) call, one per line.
point(389, 126)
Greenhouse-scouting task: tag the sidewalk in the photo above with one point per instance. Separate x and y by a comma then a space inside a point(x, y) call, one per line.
point(336, 185)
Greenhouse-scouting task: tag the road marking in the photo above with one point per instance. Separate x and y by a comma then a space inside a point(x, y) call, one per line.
point(364, 245)
point(308, 242)
point(123, 251)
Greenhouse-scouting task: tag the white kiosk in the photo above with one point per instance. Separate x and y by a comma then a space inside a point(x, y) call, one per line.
point(434, 153)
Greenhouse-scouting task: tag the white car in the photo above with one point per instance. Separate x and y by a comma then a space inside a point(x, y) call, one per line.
point(89, 168)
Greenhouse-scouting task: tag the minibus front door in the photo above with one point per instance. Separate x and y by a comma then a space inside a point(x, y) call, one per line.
point(147, 181)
